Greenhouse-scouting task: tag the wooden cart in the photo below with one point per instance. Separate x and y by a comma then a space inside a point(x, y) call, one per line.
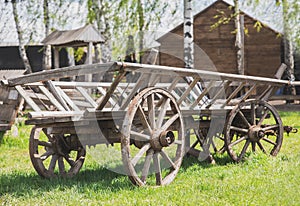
point(166, 113)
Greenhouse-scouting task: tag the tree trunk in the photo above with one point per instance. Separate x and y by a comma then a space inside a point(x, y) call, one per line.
point(239, 39)
point(141, 28)
point(288, 46)
point(22, 49)
point(47, 48)
point(188, 35)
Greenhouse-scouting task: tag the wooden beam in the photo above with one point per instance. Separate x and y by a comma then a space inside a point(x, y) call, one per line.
point(51, 98)
point(111, 89)
point(62, 72)
point(29, 101)
point(54, 114)
point(85, 94)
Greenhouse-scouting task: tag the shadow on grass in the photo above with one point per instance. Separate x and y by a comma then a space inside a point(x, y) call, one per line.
point(21, 184)
point(88, 179)
point(220, 160)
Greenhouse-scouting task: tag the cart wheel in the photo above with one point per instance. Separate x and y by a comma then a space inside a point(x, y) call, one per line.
point(153, 138)
point(253, 125)
point(47, 151)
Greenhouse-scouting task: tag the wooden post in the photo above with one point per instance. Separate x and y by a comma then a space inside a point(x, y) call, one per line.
point(89, 60)
point(56, 58)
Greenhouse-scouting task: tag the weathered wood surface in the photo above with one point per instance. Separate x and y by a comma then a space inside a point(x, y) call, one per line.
point(67, 101)
point(61, 73)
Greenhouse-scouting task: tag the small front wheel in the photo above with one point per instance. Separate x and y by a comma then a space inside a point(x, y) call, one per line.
point(55, 155)
point(253, 125)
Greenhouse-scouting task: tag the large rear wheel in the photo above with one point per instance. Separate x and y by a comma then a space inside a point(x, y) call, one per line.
point(152, 139)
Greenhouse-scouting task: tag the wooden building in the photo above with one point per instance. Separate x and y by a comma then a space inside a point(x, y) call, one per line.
point(262, 49)
point(10, 58)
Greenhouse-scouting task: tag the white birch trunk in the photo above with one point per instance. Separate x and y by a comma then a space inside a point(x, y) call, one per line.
point(239, 39)
point(47, 64)
point(188, 35)
point(22, 49)
point(288, 46)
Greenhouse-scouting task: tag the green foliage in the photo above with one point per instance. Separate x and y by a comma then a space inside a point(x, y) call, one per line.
point(261, 180)
point(258, 25)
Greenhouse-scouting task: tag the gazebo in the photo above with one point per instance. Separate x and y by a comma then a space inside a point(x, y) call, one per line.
point(86, 36)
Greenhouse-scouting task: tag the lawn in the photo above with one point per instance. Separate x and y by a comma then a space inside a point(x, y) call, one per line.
point(261, 180)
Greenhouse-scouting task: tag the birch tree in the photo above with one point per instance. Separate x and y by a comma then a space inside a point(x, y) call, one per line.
point(47, 48)
point(188, 35)
point(239, 38)
point(22, 49)
point(138, 16)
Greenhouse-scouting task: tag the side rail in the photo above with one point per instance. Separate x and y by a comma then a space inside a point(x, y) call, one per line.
point(206, 90)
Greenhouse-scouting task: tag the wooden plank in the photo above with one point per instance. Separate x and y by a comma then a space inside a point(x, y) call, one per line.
point(82, 104)
point(140, 84)
point(29, 101)
point(165, 70)
point(111, 90)
point(51, 98)
point(111, 100)
point(63, 72)
point(248, 93)
point(67, 99)
point(217, 95)
point(204, 92)
point(54, 114)
point(56, 94)
point(87, 96)
point(234, 93)
point(188, 90)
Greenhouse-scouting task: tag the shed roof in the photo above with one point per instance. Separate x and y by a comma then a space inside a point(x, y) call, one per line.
point(77, 37)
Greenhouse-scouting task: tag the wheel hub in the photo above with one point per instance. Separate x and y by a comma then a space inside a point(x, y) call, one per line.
point(256, 133)
point(164, 139)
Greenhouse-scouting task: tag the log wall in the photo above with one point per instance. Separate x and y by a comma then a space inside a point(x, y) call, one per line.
point(262, 49)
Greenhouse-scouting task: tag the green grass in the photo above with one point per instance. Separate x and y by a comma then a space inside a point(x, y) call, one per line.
point(261, 180)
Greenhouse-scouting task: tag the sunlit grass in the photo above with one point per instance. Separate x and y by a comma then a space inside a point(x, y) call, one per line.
point(261, 180)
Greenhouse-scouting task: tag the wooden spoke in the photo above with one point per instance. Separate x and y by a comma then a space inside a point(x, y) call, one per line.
point(243, 152)
point(146, 166)
point(237, 141)
point(53, 163)
point(271, 127)
point(178, 142)
point(169, 122)
point(253, 114)
point(45, 144)
point(239, 129)
point(140, 136)
point(269, 141)
point(151, 111)
point(263, 117)
point(253, 144)
point(70, 160)
point(162, 112)
point(261, 147)
point(143, 118)
point(61, 166)
point(139, 155)
point(168, 159)
point(157, 169)
point(244, 119)
point(46, 155)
